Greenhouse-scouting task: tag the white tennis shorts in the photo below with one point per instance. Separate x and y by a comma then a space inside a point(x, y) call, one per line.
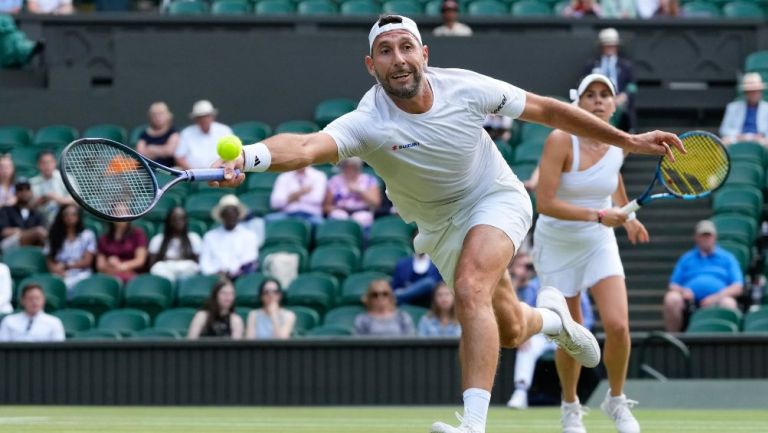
point(505, 206)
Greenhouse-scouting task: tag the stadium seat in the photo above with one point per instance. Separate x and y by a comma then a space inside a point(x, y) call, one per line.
point(149, 293)
point(330, 331)
point(415, 312)
point(744, 200)
point(263, 182)
point(313, 289)
point(75, 320)
point(306, 126)
point(95, 225)
point(243, 312)
point(383, 258)
point(199, 205)
point(24, 261)
point(524, 170)
point(25, 157)
point(125, 321)
point(727, 314)
point(337, 260)
point(112, 132)
point(712, 325)
point(487, 8)
point(97, 294)
point(292, 249)
point(187, 7)
point(317, 7)
point(148, 227)
point(433, 8)
point(531, 8)
point(699, 9)
point(193, 291)
point(747, 151)
point(247, 290)
point(197, 226)
point(14, 136)
point(343, 317)
point(327, 111)
point(135, 134)
point(359, 8)
point(156, 334)
point(306, 318)
point(175, 319)
point(339, 232)
point(560, 7)
point(756, 62)
point(274, 7)
point(743, 9)
point(746, 173)
point(292, 231)
point(97, 334)
point(534, 133)
point(252, 131)
point(402, 7)
point(257, 201)
point(160, 212)
point(231, 7)
point(55, 135)
point(529, 152)
point(743, 253)
point(760, 326)
point(53, 286)
point(390, 230)
point(735, 227)
point(356, 285)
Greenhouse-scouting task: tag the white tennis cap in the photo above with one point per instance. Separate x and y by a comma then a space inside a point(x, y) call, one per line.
point(589, 79)
point(393, 22)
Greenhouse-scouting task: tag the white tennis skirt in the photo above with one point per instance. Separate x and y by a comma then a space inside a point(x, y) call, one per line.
point(575, 260)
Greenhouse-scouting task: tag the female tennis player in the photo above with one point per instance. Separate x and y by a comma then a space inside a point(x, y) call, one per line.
point(575, 248)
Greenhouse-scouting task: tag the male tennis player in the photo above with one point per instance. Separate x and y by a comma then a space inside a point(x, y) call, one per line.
point(421, 129)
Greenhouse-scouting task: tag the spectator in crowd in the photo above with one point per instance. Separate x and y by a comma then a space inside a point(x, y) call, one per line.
point(48, 188)
point(299, 194)
point(10, 6)
point(52, 7)
point(20, 224)
point(747, 119)
point(414, 279)
point(230, 249)
point(32, 324)
point(71, 247)
point(122, 251)
point(174, 253)
point(382, 318)
point(527, 285)
point(451, 25)
point(668, 8)
point(6, 289)
point(624, 9)
point(705, 276)
point(197, 143)
point(159, 141)
point(218, 317)
point(498, 127)
point(619, 70)
point(271, 320)
point(441, 320)
point(7, 187)
point(352, 194)
point(647, 8)
point(582, 8)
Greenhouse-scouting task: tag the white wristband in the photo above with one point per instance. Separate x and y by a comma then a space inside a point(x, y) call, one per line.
point(256, 157)
point(631, 216)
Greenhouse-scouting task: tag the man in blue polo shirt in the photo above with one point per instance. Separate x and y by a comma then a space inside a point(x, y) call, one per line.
point(705, 276)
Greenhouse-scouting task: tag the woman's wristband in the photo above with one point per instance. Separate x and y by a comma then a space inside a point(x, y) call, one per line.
point(256, 157)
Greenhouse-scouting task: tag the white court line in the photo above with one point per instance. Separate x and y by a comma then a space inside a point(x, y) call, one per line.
point(24, 420)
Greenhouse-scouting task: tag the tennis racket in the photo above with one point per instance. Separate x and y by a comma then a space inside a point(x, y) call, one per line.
point(116, 183)
point(693, 175)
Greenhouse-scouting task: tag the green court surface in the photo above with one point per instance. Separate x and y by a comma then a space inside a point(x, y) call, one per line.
point(22, 419)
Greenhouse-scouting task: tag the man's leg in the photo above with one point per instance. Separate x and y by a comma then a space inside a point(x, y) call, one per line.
point(517, 320)
point(674, 304)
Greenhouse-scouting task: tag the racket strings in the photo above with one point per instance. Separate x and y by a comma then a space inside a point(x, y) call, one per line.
point(704, 168)
point(109, 180)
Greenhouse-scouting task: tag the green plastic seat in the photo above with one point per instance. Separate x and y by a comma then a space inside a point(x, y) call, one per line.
point(112, 132)
point(529, 152)
point(330, 331)
point(156, 334)
point(433, 8)
point(148, 227)
point(560, 7)
point(231, 7)
point(738, 199)
point(197, 226)
point(699, 9)
point(14, 136)
point(302, 126)
point(53, 286)
point(251, 131)
point(359, 8)
point(747, 151)
point(274, 7)
point(306, 318)
point(258, 202)
point(286, 248)
point(754, 326)
point(390, 230)
point(533, 132)
point(187, 7)
point(200, 204)
point(135, 134)
point(327, 111)
point(524, 170)
point(713, 326)
point(743, 253)
point(193, 291)
point(383, 258)
point(317, 7)
point(313, 289)
point(149, 293)
point(75, 320)
point(159, 213)
point(415, 312)
point(288, 231)
point(247, 290)
point(531, 8)
point(356, 285)
point(263, 182)
point(55, 135)
point(343, 317)
point(175, 319)
point(735, 227)
point(125, 321)
point(746, 173)
point(339, 232)
point(487, 8)
point(402, 7)
point(756, 62)
point(337, 260)
point(727, 314)
point(97, 334)
point(95, 225)
point(25, 157)
point(742, 9)
point(25, 261)
point(97, 294)
point(243, 312)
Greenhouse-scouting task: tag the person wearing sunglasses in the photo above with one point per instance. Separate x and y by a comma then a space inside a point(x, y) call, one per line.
point(271, 320)
point(382, 318)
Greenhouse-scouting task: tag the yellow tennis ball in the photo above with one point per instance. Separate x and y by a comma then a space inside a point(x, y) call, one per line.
point(229, 147)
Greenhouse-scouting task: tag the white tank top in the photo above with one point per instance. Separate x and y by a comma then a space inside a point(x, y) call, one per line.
point(590, 188)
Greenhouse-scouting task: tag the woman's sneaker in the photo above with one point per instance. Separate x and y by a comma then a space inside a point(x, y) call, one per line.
point(618, 410)
point(570, 417)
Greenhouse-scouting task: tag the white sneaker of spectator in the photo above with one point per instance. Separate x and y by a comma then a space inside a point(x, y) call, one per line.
point(519, 400)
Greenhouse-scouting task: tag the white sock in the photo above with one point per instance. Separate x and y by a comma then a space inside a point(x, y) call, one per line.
point(551, 323)
point(566, 403)
point(476, 403)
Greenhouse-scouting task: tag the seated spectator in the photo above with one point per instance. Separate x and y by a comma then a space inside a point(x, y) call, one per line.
point(10, 6)
point(705, 276)
point(48, 188)
point(122, 251)
point(441, 320)
point(197, 143)
point(33, 324)
point(623, 9)
point(52, 7)
point(218, 317)
point(229, 250)
point(668, 8)
point(352, 194)
point(414, 279)
point(383, 318)
point(174, 253)
point(6, 289)
point(20, 224)
point(647, 8)
point(270, 321)
point(620, 71)
point(451, 25)
point(71, 247)
point(747, 119)
point(159, 141)
point(7, 187)
point(299, 194)
point(582, 8)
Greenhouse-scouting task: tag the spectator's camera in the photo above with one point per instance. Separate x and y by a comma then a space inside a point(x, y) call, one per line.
point(16, 49)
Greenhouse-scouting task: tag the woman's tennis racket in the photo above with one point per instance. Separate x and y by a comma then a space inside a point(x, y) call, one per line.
point(115, 182)
point(693, 175)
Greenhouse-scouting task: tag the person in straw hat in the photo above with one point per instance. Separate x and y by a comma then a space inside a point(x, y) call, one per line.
point(197, 142)
point(229, 249)
point(747, 119)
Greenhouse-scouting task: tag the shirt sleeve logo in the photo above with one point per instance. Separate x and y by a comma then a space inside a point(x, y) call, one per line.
point(501, 105)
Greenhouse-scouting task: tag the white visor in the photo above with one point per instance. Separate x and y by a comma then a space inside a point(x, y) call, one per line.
point(406, 24)
point(589, 79)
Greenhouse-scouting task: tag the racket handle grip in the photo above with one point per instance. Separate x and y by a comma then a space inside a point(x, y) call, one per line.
point(207, 174)
point(630, 207)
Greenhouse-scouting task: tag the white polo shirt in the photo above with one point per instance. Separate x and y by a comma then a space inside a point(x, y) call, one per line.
point(198, 147)
point(39, 328)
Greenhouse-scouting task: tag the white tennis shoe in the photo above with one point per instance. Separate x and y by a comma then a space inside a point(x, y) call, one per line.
point(570, 417)
point(618, 410)
point(441, 427)
point(575, 339)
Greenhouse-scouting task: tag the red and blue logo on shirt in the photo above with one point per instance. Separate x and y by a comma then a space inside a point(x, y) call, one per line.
point(405, 146)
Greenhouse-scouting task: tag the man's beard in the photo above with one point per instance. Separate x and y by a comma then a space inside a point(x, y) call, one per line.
point(405, 92)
